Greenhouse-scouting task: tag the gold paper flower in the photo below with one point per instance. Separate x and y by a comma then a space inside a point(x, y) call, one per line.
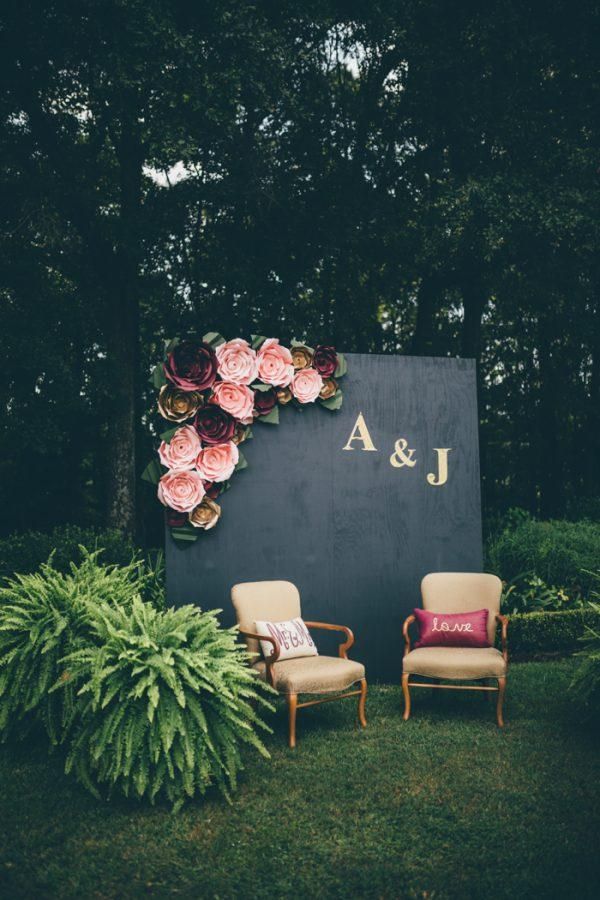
point(240, 433)
point(301, 357)
point(284, 395)
point(329, 388)
point(205, 515)
point(177, 405)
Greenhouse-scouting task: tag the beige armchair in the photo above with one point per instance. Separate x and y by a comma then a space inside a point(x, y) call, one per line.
point(455, 592)
point(278, 601)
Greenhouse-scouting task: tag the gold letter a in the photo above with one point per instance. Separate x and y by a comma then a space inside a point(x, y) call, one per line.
point(360, 432)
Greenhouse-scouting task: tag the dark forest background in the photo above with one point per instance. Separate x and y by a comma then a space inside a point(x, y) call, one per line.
point(414, 177)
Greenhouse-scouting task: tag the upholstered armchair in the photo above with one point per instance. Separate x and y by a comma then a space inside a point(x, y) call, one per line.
point(459, 592)
point(332, 676)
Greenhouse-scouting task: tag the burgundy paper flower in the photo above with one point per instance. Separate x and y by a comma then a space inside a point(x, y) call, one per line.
point(264, 401)
point(325, 361)
point(175, 519)
point(214, 425)
point(192, 366)
point(212, 489)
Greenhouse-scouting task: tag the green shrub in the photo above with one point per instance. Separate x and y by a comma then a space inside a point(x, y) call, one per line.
point(529, 593)
point(167, 701)
point(44, 616)
point(558, 552)
point(536, 633)
point(24, 552)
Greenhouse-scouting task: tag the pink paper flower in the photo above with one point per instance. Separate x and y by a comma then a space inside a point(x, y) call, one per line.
point(307, 385)
point(216, 463)
point(237, 362)
point(275, 363)
point(236, 399)
point(181, 490)
point(183, 450)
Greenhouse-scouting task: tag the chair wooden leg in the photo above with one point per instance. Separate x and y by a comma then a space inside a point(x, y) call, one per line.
point(361, 702)
point(292, 701)
point(500, 703)
point(406, 692)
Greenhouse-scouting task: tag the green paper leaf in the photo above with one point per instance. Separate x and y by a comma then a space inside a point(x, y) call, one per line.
point(224, 486)
point(242, 463)
point(342, 367)
point(167, 435)
point(259, 386)
point(185, 534)
point(158, 377)
point(213, 338)
point(271, 418)
point(170, 345)
point(249, 434)
point(153, 472)
point(257, 340)
point(334, 402)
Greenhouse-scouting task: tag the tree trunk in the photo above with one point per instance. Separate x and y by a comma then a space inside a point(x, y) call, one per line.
point(474, 299)
point(423, 337)
point(592, 420)
point(549, 456)
point(473, 294)
point(122, 337)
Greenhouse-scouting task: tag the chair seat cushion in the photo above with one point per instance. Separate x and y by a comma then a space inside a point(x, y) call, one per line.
point(313, 674)
point(455, 662)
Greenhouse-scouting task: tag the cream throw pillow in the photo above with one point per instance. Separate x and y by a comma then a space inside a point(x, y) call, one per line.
point(292, 636)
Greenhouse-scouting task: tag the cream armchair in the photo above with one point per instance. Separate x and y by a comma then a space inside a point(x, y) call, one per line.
point(456, 592)
point(278, 601)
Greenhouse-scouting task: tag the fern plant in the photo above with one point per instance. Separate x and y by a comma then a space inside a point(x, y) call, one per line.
point(43, 617)
point(168, 700)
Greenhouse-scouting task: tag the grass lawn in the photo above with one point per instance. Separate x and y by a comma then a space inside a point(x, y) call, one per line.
point(445, 805)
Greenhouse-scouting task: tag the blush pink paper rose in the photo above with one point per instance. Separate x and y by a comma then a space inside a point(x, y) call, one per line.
point(182, 451)
point(236, 399)
point(181, 490)
point(307, 384)
point(275, 364)
point(216, 463)
point(237, 362)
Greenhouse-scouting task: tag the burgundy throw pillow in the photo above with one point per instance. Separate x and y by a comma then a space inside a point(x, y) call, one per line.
point(452, 629)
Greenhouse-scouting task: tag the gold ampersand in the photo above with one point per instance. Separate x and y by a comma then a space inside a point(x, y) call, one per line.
point(399, 458)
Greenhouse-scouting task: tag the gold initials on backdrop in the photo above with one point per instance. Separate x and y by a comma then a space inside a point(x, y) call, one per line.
point(403, 455)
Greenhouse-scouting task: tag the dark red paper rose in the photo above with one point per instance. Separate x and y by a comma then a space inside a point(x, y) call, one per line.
point(214, 425)
point(212, 489)
point(174, 518)
point(325, 361)
point(191, 366)
point(264, 401)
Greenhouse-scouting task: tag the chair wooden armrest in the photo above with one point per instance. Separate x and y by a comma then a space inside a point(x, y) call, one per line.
point(269, 660)
point(326, 626)
point(503, 620)
point(407, 623)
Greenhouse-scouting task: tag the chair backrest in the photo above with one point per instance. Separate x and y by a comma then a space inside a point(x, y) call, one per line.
point(271, 601)
point(453, 592)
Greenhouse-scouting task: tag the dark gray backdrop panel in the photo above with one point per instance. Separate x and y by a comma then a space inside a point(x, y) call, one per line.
point(353, 532)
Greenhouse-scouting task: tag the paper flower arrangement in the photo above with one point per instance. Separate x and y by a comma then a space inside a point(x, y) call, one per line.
point(212, 391)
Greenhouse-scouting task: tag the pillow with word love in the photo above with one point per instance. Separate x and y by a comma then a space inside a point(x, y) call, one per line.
point(452, 629)
point(293, 638)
